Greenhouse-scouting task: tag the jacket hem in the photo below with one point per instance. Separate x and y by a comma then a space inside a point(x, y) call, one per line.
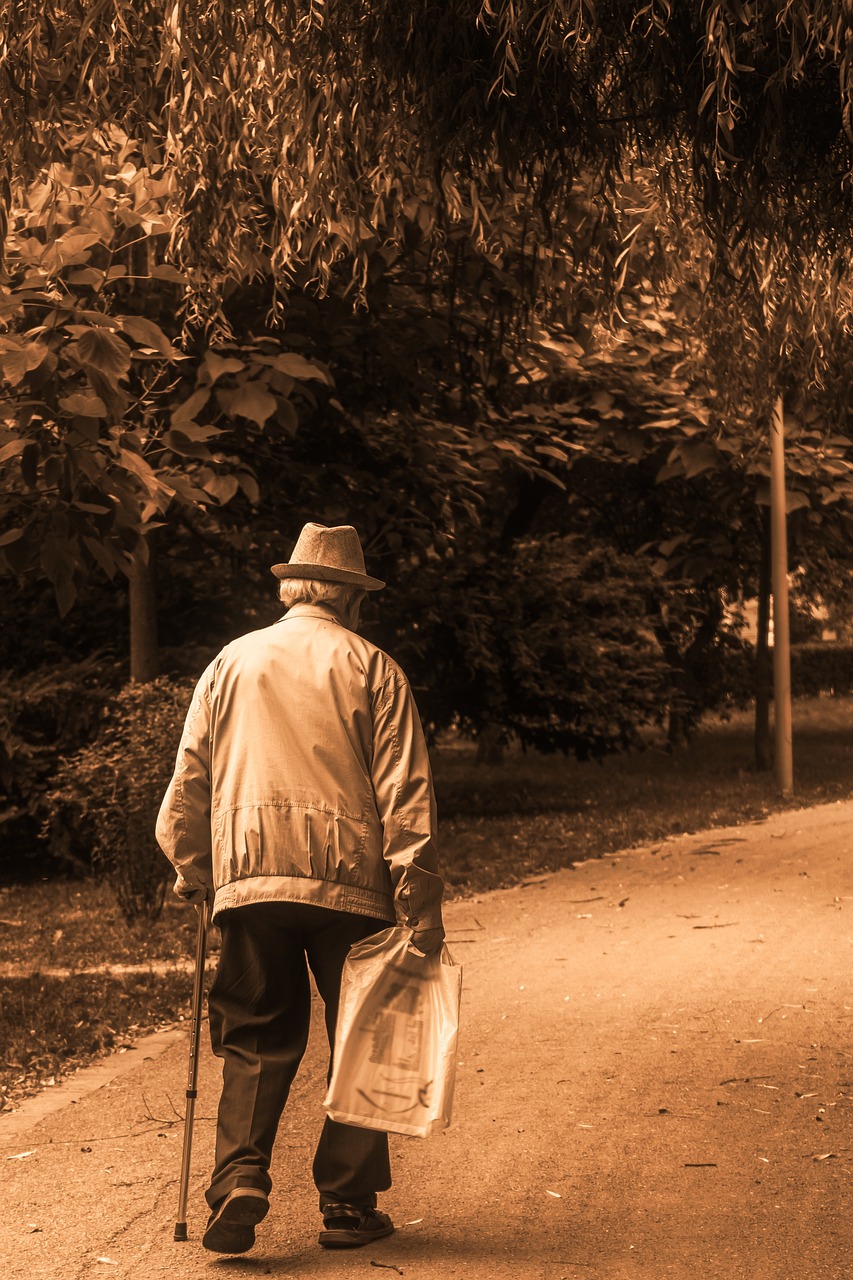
point(320, 893)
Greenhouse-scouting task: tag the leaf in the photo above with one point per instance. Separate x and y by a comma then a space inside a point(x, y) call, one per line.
point(165, 271)
point(101, 556)
point(148, 334)
point(86, 276)
point(11, 535)
point(135, 463)
point(16, 362)
point(22, 1155)
point(223, 488)
point(249, 485)
point(12, 449)
point(216, 366)
point(298, 367)
point(83, 405)
point(795, 499)
point(179, 442)
point(187, 411)
point(672, 544)
point(698, 457)
point(92, 508)
point(104, 351)
point(253, 401)
point(196, 433)
point(76, 240)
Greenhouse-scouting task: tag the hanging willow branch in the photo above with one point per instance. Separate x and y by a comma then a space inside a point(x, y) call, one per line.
point(299, 131)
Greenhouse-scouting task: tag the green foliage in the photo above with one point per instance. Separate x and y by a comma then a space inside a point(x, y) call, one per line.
point(299, 135)
point(113, 788)
point(108, 430)
point(82, 369)
point(43, 715)
point(821, 669)
point(549, 644)
point(180, 351)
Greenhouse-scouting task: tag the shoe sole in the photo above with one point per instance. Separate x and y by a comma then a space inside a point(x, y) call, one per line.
point(352, 1239)
point(234, 1230)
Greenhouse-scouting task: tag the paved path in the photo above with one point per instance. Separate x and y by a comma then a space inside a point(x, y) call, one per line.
point(655, 1080)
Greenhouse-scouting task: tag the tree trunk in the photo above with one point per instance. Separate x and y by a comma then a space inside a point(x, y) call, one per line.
point(144, 644)
point(763, 753)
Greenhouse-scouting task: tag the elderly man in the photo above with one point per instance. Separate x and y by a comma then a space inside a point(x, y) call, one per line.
point(302, 806)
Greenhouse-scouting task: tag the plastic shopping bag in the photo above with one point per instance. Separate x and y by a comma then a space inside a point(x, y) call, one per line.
point(395, 1043)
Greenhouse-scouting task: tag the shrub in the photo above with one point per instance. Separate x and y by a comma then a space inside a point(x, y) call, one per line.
point(821, 668)
point(43, 716)
point(114, 786)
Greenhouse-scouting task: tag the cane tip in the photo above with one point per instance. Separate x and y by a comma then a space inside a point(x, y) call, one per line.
point(180, 1231)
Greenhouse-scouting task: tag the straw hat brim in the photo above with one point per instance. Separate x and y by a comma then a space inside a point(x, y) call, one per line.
point(327, 573)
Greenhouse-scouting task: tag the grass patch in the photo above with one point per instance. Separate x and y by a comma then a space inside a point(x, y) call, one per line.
point(49, 1027)
point(534, 813)
point(75, 924)
point(500, 824)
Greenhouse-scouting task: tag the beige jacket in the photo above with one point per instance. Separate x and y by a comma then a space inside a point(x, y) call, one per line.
point(303, 776)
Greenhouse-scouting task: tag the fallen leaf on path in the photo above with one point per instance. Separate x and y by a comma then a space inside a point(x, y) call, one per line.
point(387, 1266)
point(22, 1155)
point(586, 916)
point(555, 1194)
point(413, 1223)
point(111, 1262)
point(729, 924)
point(760, 1041)
point(827, 1155)
point(32, 1228)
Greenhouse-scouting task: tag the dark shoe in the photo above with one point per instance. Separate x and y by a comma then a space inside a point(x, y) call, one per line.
point(347, 1226)
point(231, 1228)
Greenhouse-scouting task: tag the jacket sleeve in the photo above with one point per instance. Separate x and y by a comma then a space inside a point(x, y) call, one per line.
point(402, 786)
point(183, 823)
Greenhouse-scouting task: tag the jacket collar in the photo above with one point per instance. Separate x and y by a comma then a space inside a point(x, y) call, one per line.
point(323, 611)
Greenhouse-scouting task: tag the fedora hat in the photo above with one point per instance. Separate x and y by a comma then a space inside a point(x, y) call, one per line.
point(329, 555)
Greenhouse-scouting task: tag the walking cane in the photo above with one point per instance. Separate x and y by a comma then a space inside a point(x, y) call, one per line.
point(192, 1075)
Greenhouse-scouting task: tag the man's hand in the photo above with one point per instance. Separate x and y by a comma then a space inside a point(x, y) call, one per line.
point(427, 940)
point(195, 894)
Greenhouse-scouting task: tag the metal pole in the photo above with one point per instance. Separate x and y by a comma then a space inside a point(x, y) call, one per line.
point(192, 1074)
point(781, 627)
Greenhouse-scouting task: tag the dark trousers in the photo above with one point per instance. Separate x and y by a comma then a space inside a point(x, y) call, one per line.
point(260, 1009)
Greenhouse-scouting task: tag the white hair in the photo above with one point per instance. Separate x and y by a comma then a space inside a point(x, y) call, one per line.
point(337, 595)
